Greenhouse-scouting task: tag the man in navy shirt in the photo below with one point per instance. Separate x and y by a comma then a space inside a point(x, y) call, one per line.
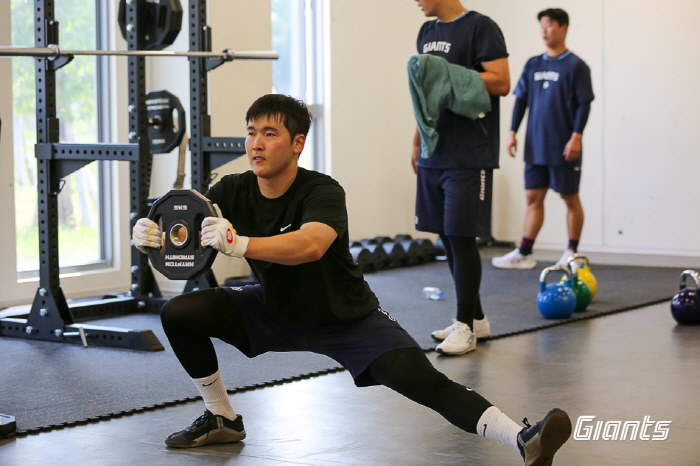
point(453, 197)
point(556, 88)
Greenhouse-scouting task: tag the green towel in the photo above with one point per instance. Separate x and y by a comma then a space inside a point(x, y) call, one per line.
point(437, 84)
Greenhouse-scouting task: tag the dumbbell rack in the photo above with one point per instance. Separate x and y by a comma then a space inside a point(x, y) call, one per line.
point(51, 318)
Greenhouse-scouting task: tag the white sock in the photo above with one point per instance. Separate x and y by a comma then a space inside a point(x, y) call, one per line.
point(494, 425)
point(214, 394)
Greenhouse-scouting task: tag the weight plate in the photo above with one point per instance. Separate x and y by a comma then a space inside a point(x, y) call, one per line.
point(179, 214)
point(162, 133)
point(159, 22)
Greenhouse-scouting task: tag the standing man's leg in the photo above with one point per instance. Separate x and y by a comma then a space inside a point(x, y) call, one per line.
point(574, 222)
point(467, 215)
point(521, 258)
point(464, 261)
point(537, 183)
point(566, 181)
point(534, 215)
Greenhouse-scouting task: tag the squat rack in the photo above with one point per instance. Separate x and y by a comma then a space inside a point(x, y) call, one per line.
point(51, 318)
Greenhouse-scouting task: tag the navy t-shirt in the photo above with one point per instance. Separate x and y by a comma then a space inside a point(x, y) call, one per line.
point(469, 40)
point(328, 291)
point(554, 89)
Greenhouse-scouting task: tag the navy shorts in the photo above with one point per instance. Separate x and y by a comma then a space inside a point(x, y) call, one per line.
point(454, 202)
point(563, 179)
point(354, 345)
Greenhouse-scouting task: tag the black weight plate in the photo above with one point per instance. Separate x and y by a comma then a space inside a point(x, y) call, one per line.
point(183, 257)
point(159, 22)
point(162, 134)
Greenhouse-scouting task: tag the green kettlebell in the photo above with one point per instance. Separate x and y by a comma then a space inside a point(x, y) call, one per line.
point(584, 272)
point(581, 289)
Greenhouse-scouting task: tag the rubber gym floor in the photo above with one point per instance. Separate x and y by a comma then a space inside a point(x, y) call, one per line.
point(636, 366)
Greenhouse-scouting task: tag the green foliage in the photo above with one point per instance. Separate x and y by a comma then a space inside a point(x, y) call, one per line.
point(76, 107)
point(76, 81)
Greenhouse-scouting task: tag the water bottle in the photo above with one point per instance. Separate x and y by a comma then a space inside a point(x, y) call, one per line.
point(430, 292)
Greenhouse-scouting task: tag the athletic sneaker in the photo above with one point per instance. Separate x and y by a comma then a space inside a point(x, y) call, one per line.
point(461, 340)
point(208, 428)
point(564, 259)
point(540, 442)
point(514, 260)
point(482, 329)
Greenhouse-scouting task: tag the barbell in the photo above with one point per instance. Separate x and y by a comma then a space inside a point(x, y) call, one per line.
point(53, 52)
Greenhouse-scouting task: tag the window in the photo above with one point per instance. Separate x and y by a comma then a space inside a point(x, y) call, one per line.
point(297, 34)
point(84, 233)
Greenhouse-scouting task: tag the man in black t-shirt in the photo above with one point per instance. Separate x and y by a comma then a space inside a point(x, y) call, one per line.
point(291, 225)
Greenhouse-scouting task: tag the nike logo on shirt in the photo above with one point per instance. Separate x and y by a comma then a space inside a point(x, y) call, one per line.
point(284, 228)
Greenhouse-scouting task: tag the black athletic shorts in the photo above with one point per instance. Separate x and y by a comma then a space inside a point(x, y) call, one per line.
point(563, 179)
point(354, 345)
point(454, 202)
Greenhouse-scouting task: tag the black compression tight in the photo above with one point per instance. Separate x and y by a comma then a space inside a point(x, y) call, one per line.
point(192, 319)
point(409, 372)
point(465, 265)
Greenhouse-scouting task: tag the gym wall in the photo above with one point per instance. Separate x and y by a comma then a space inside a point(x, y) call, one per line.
point(638, 173)
point(639, 167)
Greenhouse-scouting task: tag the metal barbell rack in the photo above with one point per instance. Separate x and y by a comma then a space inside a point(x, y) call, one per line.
point(51, 318)
point(54, 51)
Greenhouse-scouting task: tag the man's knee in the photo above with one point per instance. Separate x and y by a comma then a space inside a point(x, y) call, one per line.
point(572, 201)
point(535, 197)
point(175, 311)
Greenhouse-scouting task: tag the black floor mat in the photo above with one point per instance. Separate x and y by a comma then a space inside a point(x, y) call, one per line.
point(49, 385)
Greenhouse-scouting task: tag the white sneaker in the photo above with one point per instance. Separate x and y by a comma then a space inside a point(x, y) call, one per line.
point(461, 340)
point(482, 329)
point(514, 260)
point(564, 259)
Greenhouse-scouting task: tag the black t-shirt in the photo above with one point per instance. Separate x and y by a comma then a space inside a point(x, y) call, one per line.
point(325, 292)
point(469, 40)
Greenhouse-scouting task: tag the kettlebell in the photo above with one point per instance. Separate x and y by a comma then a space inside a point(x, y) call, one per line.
point(556, 300)
point(584, 272)
point(581, 290)
point(685, 305)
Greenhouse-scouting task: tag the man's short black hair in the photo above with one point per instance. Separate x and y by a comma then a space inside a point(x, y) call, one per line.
point(555, 14)
point(293, 113)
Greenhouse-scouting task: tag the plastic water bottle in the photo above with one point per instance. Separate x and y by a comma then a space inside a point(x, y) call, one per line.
point(430, 292)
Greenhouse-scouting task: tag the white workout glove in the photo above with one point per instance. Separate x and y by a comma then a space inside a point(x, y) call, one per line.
point(147, 234)
point(218, 233)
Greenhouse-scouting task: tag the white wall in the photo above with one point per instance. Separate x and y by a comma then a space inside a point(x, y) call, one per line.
point(639, 171)
point(639, 178)
point(371, 115)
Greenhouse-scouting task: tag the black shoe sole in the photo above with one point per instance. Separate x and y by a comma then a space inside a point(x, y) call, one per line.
point(556, 430)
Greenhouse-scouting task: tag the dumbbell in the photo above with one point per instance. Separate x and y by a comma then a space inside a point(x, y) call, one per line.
point(363, 257)
point(427, 249)
point(412, 250)
point(380, 257)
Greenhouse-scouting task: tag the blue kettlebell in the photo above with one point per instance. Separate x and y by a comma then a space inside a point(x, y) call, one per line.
point(556, 300)
point(685, 305)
